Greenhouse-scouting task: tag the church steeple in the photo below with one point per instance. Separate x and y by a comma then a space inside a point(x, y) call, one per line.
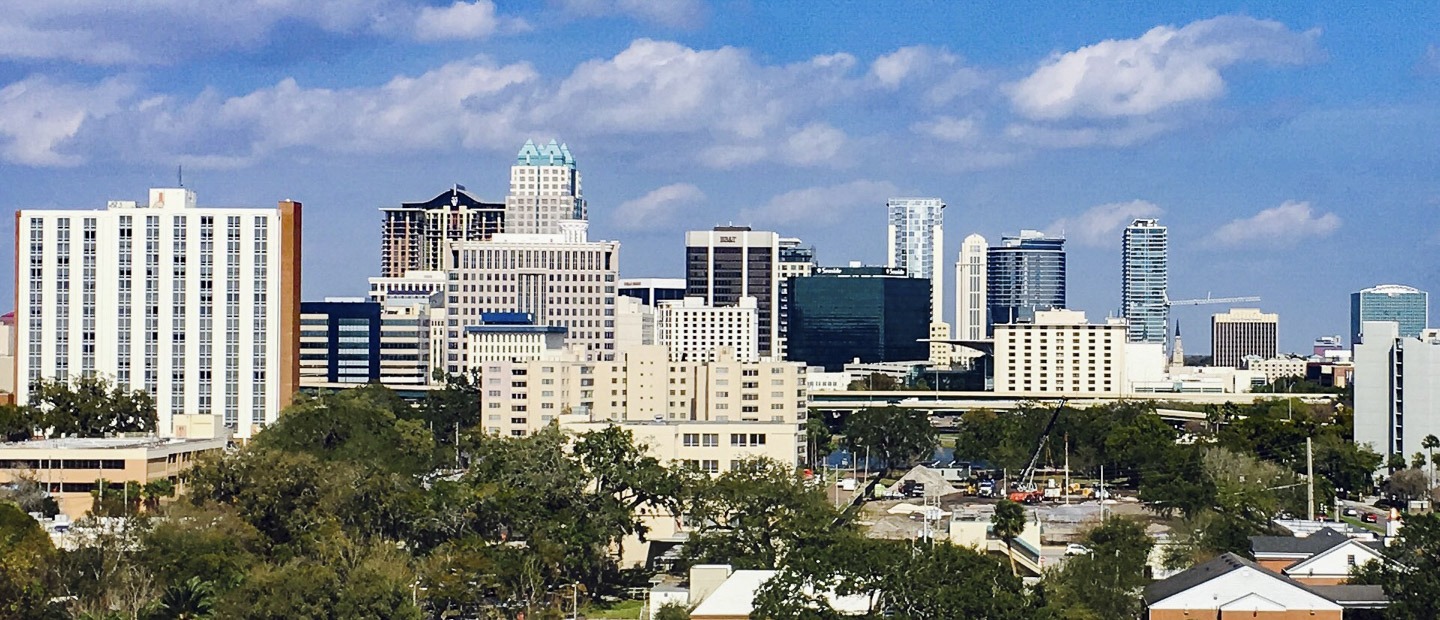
point(1177, 350)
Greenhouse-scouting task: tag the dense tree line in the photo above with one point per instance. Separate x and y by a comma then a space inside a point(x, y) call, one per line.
point(84, 406)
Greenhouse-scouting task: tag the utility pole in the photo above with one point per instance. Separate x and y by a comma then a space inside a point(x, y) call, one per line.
point(1102, 493)
point(1310, 482)
point(1065, 492)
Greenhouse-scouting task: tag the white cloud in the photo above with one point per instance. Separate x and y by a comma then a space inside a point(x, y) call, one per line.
point(463, 20)
point(1162, 68)
point(949, 128)
point(38, 116)
point(938, 75)
point(167, 31)
point(1284, 225)
point(657, 209)
point(1100, 225)
point(815, 143)
point(823, 205)
point(1126, 133)
point(673, 13)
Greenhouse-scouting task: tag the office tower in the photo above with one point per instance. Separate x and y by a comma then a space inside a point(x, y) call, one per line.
point(339, 341)
point(796, 261)
point(652, 291)
point(199, 307)
point(1397, 388)
point(413, 235)
point(971, 305)
point(1144, 276)
point(874, 314)
point(562, 279)
point(544, 190)
point(916, 240)
point(1243, 332)
point(696, 332)
point(1060, 351)
point(1024, 274)
point(730, 262)
point(1408, 307)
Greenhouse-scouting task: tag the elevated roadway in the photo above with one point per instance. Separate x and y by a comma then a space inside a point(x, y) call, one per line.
point(955, 403)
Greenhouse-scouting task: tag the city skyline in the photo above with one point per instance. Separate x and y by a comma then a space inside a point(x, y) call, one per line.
point(1300, 135)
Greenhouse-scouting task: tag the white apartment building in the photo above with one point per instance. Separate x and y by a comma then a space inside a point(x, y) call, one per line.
point(1397, 388)
point(544, 190)
point(915, 242)
point(494, 343)
point(411, 283)
point(200, 307)
point(412, 338)
point(7, 356)
point(1061, 353)
point(971, 302)
point(695, 331)
point(561, 279)
point(1243, 332)
point(1278, 367)
point(634, 324)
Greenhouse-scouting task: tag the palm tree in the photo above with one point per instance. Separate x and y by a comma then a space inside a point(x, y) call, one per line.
point(1008, 523)
point(1430, 442)
point(192, 599)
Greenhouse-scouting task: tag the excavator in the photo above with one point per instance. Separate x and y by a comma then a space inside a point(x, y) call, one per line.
point(1023, 490)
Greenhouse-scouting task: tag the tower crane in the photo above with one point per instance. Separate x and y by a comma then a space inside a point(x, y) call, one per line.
point(1207, 300)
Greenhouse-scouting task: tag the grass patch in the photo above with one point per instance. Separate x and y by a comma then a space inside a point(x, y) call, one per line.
point(621, 609)
point(1369, 526)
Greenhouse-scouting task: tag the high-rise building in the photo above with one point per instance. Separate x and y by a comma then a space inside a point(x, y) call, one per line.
point(413, 235)
point(544, 190)
point(796, 261)
point(1144, 276)
point(199, 307)
point(7, 358)
point(652, 291)
point(730, 262)
point(874, 314)
point(916, 241)
point(1408, 307)
point(634, 324)
point(561, 279)
point(339, 342)
point(1023, 275)
point(971, 305)
point(1397, 388)
point(1243, 332)
point(694, 331)
point(1059, 351)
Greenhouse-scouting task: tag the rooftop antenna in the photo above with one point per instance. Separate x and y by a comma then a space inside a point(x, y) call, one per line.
point(180, 175)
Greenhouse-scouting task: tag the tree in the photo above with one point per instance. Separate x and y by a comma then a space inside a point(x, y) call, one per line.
point(26, 560)
point(948, 581)
point(1407, 484)
point(874, 382)
point(152, 492)
point(754, 514)
point(191, 599)
point(1009, 523)
point(1430, 442)
point(897, 436)
point(1107, 582)
point(30, 495)
point(1417, 461)
point(818, 438)
point(1411, 572)
point(17, 423)
point(352, 425)
point(672, 611)
point(108, 501)
point(90, 406)
point(1395, 463)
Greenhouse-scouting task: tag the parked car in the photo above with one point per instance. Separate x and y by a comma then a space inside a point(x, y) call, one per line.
point(1370, 517)
point(1076, 549)
point(1350, 511)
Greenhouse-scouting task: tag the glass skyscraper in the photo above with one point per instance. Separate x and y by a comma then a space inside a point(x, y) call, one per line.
point(873, 314)
point(1144, 275)
point(916, 241)
point(1408, 307)
point(1024, 274)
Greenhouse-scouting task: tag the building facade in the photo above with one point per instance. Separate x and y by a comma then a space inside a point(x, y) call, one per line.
point(411, 282)
point(797, 260)
point(1408, 307)
point(1243, 332)
point(1397, 388)
point(694, 331)
point(1060, 352)
point(916, 243)
point(339, 342)
point(7, 358)
point(874, 314)
point(730, 262)
point(412, 338)
point(652, 291)
point(544, 190)
point(1144, 277)
point(199, 307)
point(413, 236)
point(971, 302)
point(511, 337)
point(1024, 275)
point(634, 324)
point(561, 279)
point(1279, 368)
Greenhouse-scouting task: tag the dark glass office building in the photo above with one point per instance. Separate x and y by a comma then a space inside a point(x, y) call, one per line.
point(1024, 274)
point(339, 341)
point(876, 314)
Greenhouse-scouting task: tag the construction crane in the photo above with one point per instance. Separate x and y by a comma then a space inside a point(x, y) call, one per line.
point(1024, 490)
point(1208, 300)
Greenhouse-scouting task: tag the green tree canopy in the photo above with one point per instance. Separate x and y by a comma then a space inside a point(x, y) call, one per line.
point(1107, 581)
point(896, 436)
point(89, 406)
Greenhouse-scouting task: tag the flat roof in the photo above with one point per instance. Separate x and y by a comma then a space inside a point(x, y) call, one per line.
point(101, 443)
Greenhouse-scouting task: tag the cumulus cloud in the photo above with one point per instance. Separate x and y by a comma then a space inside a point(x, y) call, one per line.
point(166, 31)
point(673, 13)
point(938, 75)
point(1165, 67)
point(822, 205)
point(948, 128)
point(813, 144)
point(38, 116)
point(658, 209)
point(463, 20)
point(1100, 225)
point(1284, 225)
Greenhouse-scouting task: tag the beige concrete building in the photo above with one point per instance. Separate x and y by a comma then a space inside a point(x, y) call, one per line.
point(1243, 332)
point(1278, 367)
point(1061, 353)
point(412, 282)
point(634, 324)
point(70, 467)
point(696, 331)
point(7, 357)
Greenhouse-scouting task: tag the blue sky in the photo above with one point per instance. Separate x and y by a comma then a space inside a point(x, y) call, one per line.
point(1293, 149)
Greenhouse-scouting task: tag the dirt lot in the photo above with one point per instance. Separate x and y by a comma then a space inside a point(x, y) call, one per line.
point(1060, 523)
